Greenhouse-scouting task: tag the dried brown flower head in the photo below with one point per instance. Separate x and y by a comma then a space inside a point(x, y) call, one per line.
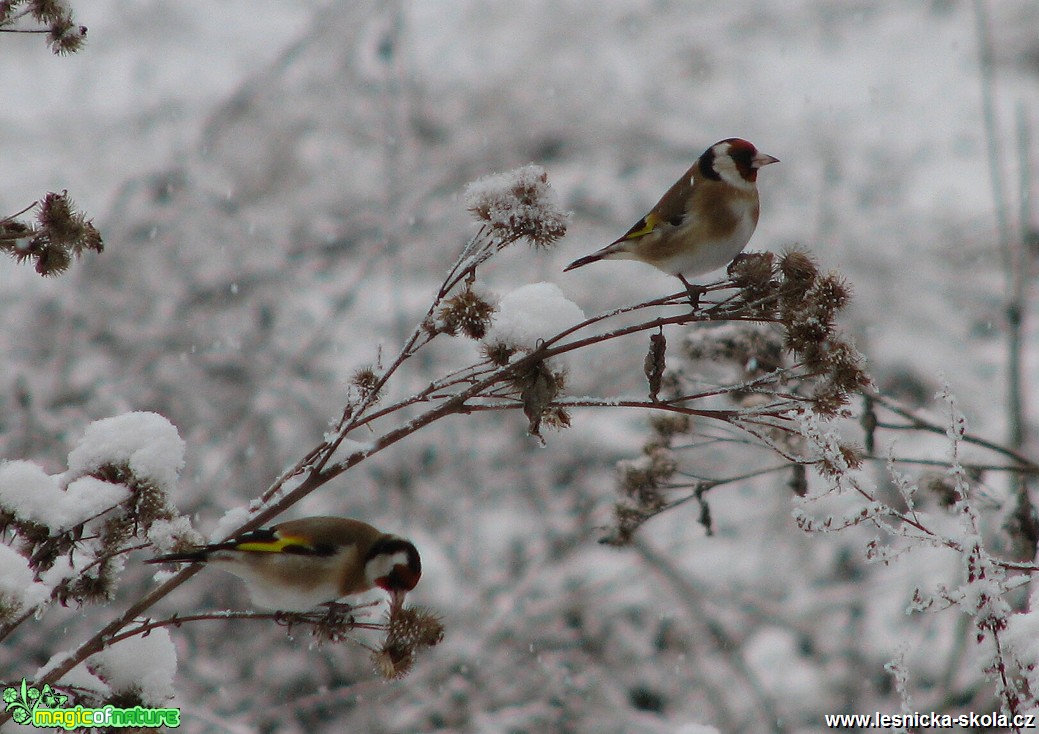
point(60, 234)
point(408, 630)
point(468, 312)
point(519, 204)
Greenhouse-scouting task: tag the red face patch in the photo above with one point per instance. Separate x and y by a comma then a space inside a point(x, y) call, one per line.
point(742, 153)
point(401, 578)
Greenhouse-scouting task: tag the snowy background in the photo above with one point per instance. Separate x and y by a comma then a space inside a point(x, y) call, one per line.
point(279, 188)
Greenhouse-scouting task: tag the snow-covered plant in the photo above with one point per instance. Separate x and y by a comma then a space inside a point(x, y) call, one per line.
point(771, 355)
point(114, 497)
point(67, 536)
point(908, 519)
point(73, 530)
point(758, 369)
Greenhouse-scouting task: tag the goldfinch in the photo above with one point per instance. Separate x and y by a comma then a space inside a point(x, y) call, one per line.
point(702, 222)
point(297, 565)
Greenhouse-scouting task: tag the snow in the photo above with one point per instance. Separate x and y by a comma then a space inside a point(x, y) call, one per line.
point(348, 448)
point(18, 590)
point(145, 442)
point(31, 493)
point(696, 729)
point(90, 496)
point(532, 313)
point(1022, 634)
point(146, 663)
point(164, 534)
point(79, 676)
point(231, 521)
point(508, 200)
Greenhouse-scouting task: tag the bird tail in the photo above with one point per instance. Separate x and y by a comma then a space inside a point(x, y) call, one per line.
point(582, 261)
point(611, 250)
point(199, 556)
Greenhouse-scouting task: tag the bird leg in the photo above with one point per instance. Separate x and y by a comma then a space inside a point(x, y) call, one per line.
point(339, 612)
point(694, 291)
point(337, 606)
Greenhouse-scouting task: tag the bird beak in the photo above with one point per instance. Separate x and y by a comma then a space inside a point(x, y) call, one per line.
point(397, 599)
point(762, 159)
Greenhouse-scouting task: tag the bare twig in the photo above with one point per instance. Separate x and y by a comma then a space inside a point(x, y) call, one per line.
point(1009, 246)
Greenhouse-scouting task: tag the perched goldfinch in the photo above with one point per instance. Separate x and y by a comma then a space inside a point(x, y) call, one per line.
point(702, 222)
point(297, 565)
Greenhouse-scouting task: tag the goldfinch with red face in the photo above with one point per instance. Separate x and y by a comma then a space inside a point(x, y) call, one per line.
point(297, 565)
point(702, 222)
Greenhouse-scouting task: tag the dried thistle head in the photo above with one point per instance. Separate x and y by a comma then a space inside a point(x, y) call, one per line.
point(799, 272)
point(806, 335)
point(516, 205)
point(752, 269)
point(174, 535)
point(669, 425)
point(832, 292)
point(641, 480)
point(627, 520)
point(847, 458)
point(662, 463)
point(150, 504)
point(48, 11)
point(65, 37)
point(408, 630)
point(95, 586)
point(61, 233)
point(468, 312)
point(51, 260)
point(754, 274)
point(63, 225)
point(116, 532)
point(498, 353)
point(845, 368)
point(366, 380)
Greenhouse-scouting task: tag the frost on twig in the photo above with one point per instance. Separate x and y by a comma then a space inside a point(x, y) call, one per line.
point(950, 521)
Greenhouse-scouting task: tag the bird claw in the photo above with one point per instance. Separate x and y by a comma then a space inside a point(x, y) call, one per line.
point(337, 606)
point(338, 612)
point(694, 291)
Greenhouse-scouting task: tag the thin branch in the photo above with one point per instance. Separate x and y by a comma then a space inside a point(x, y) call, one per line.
point(1009, 246)
point(283, 618)
point(941, 463)
point(916, 422)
